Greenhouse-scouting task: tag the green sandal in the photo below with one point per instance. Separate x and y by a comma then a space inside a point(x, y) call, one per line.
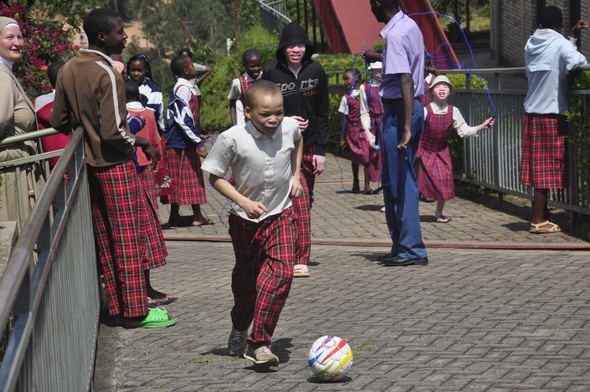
point(156, 318)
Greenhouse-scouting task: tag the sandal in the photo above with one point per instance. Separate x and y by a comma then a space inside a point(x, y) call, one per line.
point(442, 219)
point(156, 318)
point(539, 228)
point(300, 271)
point(162, 301)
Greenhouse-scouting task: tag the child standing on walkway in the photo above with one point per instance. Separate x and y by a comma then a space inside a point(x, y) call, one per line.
point(140, 71)
point(252, 62)
point(265, 157)
point(185, 147)
point(90, 89)
point(353, 134)
point(156, 253)
point(435, 180)
point(372, 118)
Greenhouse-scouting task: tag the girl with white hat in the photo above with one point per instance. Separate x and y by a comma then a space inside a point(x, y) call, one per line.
point(435, 179)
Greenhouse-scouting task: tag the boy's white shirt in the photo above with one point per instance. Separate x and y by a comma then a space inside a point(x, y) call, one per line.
point(184, 89)
point(261, 164)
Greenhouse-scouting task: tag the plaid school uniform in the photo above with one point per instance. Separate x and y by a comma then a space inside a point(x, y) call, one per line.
point(262, 275)
point(156, 251)
point(184, 167)
point(375, 107)
point(185, 171)
point(543, 163)
point(244, 87)
point(358, 144)
point(436, 170)
point(120, 220)
point(302, 206)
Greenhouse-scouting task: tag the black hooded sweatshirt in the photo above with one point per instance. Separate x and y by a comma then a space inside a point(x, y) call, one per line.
point(306, 95)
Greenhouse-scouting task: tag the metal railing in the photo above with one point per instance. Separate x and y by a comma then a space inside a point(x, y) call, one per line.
point(492, 159)
point(50, 287)
point(273, 15)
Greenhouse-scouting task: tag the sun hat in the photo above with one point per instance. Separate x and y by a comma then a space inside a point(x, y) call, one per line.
point(442, 79)
point(376, 65)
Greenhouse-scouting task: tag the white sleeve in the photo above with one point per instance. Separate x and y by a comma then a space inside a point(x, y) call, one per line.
point(184, 93)
point(461, 126)
point(235, 91)
point(343, 106)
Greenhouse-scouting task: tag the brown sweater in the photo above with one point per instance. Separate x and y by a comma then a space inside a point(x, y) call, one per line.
point(90, 88)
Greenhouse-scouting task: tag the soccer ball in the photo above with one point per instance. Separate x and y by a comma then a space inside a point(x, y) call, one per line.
point(330, 358)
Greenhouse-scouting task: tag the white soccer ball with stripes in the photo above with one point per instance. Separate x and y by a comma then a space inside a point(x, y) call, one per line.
point(330, 358)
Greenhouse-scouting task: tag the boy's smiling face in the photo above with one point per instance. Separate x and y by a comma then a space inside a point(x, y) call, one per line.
point(266, 112)
point(253, 66)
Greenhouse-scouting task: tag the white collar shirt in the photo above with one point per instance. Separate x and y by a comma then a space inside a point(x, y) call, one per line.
point(261, 164)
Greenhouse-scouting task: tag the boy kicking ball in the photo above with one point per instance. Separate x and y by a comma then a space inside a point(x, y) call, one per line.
point(265, 156)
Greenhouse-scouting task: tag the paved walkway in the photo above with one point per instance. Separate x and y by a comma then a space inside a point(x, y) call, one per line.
point(497, 308)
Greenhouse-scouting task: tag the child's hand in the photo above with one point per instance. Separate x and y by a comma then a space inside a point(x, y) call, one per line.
point(297, 189)
point(202, 152)
point(253, 209)
point(342, 143)
point(489, 122)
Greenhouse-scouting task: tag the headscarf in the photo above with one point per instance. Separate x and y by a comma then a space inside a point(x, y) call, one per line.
point(6, 21)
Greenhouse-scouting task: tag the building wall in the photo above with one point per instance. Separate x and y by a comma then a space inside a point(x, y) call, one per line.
point(517, 22)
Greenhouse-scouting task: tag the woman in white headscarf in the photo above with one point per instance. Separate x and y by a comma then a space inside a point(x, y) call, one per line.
point(17, 117)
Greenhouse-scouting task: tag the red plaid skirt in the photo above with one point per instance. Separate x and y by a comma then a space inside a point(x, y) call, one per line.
point(185, 171)
point(543, 159)
point(156, 250)
point(120, 220)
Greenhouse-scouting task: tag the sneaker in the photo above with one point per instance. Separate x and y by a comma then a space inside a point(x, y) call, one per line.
point(237, 342)
point(261, 355)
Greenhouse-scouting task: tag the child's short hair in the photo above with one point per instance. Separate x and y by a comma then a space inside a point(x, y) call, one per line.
point(551, 17)
point(132, 90)
point(188, 52)
point(53, 70)
point(179, 64)
point(250, 54)
point(99, 20)
point(261, 87)
point(355, 72)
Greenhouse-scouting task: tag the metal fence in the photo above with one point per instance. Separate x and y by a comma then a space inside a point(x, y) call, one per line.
point(50, 287)
point(273, 15)
point(492, 159)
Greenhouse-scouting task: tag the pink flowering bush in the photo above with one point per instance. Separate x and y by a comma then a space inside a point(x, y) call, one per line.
point(45, 42)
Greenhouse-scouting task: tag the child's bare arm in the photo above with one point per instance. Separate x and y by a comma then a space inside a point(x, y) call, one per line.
point(253, 209)
point(233, 111)
point(296, 156)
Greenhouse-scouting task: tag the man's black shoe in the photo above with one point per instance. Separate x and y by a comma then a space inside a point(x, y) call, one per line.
point(399, 261)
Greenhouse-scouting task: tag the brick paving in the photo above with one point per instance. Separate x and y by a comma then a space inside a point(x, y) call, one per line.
point(497, 308)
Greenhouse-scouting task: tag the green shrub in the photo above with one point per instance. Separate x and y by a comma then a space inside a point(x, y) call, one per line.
point(215, 109)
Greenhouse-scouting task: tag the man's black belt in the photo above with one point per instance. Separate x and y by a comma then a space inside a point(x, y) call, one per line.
point(390, 100)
